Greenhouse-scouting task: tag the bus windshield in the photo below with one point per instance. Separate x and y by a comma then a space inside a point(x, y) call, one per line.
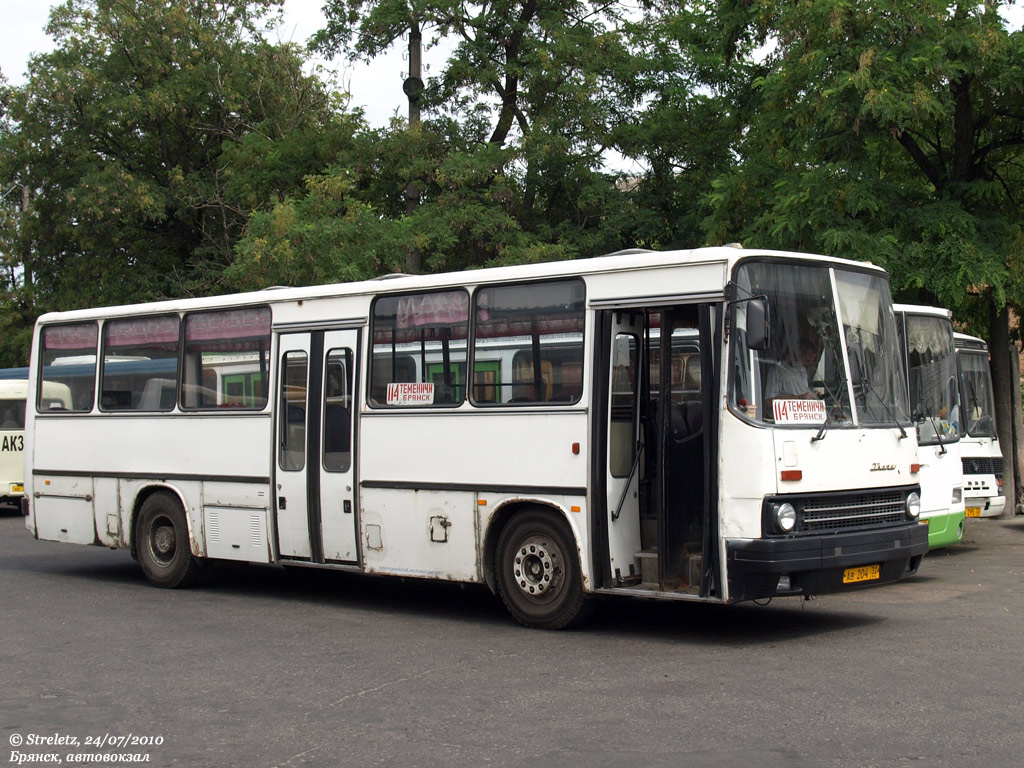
point(979, 419)
point(832, 355)
point(931, 372)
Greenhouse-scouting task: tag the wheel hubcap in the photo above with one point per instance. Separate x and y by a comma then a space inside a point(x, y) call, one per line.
point(536, 566)
point(163, 542)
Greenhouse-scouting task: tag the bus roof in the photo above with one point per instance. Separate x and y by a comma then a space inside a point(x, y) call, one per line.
point(963, 341)
point(917, 309)
point(620, 262)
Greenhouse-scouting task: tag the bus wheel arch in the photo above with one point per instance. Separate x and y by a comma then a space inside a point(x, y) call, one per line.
point(161, 539)
point(533, 563)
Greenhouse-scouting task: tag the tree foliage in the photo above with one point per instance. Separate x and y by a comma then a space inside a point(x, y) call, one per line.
point(892, 132)
point(171, 150)
point(146, 138)
point(519, 116)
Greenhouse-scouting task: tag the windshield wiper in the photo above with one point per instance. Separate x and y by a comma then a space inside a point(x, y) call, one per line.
point(926, 415)
point(822, 431)
point(866, 383)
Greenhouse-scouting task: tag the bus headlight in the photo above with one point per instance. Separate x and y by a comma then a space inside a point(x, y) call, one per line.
point(913, 505)
point(785, 517)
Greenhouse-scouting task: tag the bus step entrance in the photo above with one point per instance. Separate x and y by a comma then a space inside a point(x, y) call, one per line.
point(648, 567)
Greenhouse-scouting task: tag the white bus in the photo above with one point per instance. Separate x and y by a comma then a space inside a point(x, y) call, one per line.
point(13, 391)
point(554, 431)
point(979, 441)
point(926, 335)
point(13, 394)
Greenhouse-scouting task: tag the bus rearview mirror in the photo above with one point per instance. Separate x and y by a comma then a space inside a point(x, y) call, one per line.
point(757, 323)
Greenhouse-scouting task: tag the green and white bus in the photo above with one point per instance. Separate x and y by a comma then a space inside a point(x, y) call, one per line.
point(926, 334)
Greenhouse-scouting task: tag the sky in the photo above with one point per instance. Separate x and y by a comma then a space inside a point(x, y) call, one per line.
point(376, 87)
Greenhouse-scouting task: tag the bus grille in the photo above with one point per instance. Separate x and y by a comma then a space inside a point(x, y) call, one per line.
point(983, 465)
point(862, 510)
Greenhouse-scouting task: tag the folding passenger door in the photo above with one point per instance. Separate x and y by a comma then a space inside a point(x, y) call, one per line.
point(625, 453)
point(315, 478)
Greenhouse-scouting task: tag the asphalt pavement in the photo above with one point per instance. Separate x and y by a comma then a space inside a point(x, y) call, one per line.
point(268, 667)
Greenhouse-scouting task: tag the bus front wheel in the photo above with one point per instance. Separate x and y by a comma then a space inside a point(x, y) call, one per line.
point(162, 543)
point(538, 572)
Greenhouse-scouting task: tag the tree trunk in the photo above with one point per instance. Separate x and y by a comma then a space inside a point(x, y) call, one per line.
point(1018, 421)
point(1003, 389)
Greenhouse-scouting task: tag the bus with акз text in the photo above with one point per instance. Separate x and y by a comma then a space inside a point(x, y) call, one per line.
point(13, 390)
point(555, 431)
point(13, 394)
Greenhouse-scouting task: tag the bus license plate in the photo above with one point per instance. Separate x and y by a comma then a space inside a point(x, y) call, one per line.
point(17, 489)
point(863, 573)
point(972, 512)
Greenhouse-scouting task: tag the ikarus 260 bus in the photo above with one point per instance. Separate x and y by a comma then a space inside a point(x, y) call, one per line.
point(554, 431)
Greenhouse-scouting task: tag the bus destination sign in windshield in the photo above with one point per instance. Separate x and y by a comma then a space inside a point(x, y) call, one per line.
point(799, 411)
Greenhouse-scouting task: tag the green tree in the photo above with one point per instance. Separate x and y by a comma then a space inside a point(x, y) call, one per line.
point(890, 132)
point(146, 138)
point(522, 111)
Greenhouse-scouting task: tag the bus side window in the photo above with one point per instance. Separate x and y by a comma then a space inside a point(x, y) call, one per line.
point(68, 359)
point(292, 428)
point(337, 411)
point(539, 325)
point(430, 329)
point(222, 350)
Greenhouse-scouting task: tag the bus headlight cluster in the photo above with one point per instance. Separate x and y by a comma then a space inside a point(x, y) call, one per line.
point(785, 517)
point(913, 505)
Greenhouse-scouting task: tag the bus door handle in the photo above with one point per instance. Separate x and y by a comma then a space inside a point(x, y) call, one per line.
point(347, 506)
point(282, 503)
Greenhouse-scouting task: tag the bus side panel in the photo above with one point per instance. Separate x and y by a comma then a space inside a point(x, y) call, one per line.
point(196, 446)
point(115, 458)
point(418, 468)
point(63, 509)
point(107, 509)
point(420, 533)
point(235, 521)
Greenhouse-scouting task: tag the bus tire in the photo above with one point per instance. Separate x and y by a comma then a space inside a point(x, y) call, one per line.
point(538, 572)
point(162, 543)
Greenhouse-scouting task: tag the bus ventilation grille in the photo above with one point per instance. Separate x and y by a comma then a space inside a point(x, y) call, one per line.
point(855, 511)
point(983, 465)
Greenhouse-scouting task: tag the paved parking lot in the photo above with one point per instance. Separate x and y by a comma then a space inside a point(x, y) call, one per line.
point(266, 667)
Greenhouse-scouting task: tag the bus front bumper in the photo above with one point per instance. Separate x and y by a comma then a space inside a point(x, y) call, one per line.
point(818, 564)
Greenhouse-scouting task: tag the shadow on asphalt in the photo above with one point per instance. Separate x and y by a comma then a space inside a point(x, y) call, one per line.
point(670, 621)
point(960, 549)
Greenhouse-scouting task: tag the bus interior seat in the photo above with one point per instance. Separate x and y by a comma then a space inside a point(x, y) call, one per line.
point(158, 395)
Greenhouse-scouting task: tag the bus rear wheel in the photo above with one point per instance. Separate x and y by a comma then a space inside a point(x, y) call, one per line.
point(538, 573)
point(162, 543)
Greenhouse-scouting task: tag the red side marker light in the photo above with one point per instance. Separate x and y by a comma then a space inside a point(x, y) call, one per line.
point(792, 474)
point(915, 468)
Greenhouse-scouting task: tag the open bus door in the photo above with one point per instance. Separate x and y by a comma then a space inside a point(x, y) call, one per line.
point(657, 429)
